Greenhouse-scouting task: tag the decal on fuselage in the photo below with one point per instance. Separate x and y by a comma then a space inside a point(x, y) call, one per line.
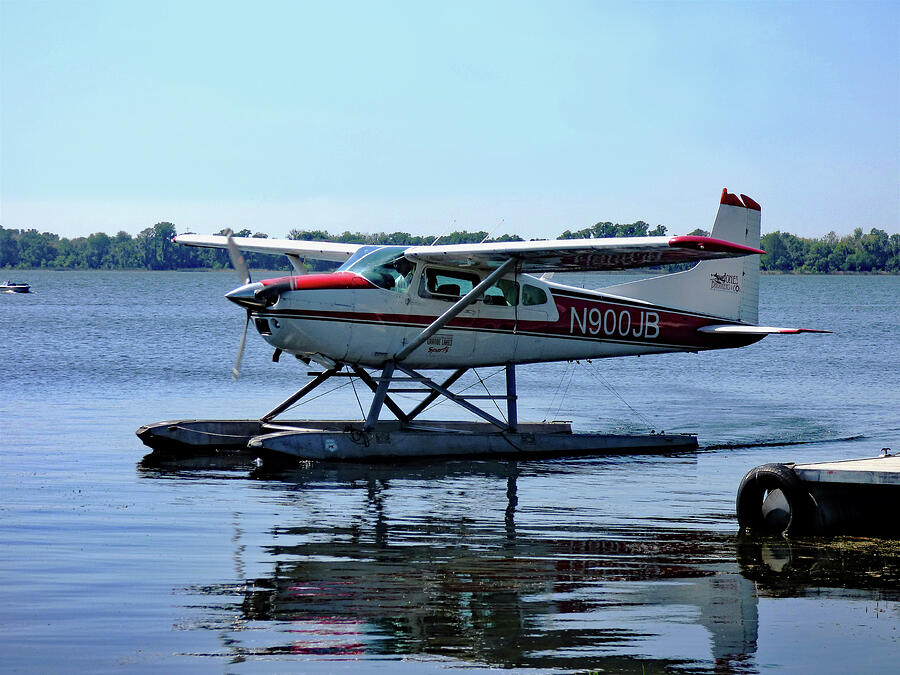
point(724, 282)
point(614, 322)
point(440, 344)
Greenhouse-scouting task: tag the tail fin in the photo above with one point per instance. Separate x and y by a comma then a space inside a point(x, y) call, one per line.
point(727, 288)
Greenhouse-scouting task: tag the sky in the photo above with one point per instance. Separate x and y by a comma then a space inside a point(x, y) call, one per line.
point(522, 117)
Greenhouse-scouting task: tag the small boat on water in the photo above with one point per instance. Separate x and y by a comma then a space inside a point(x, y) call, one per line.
point(14, 287)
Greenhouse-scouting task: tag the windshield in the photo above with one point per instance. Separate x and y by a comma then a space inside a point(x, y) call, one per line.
point(361, 252)
point(384, 266)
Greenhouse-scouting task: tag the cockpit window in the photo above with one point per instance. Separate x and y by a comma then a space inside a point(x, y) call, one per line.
point(505, 293)
point(384, 266)
point(532, 295)
point(448, 285)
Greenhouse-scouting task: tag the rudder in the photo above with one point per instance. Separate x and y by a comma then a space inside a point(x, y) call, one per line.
point(726, 288)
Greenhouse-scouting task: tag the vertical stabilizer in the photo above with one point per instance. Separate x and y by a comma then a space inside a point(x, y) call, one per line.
point(727, 288)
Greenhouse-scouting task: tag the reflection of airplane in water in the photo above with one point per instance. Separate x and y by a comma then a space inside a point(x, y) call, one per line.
point(362, 578)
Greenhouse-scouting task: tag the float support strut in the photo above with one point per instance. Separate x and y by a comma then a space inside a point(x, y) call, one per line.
point(512, 415)
point(291, 400)
point(380, 393)
point(428, 400)
point(388, 401)
point(459, 400)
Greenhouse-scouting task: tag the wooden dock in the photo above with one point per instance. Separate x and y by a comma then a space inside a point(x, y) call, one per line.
point(884, 470)
point(854, 496)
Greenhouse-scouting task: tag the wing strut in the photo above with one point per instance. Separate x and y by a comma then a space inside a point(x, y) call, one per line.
point(451, 313)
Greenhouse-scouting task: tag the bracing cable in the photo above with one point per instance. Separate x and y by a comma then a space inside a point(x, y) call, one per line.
point(358, 402)
point(613, 391)
point(559, 384)
point(442, 400)
point(487, 391)
point(565, 394)
point(313, 398)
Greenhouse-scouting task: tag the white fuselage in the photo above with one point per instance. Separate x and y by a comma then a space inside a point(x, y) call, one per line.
point(539, 321)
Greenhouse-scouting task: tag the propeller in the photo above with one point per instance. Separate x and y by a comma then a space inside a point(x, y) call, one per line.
point(237, 260)
point(236, 371)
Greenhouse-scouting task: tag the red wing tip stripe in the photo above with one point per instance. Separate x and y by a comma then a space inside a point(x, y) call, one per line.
point(711, 244)
point(794, 331)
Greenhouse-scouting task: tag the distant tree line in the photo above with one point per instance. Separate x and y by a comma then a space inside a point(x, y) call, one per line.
point(153, 248)
point(876, 251)
point(607, 229)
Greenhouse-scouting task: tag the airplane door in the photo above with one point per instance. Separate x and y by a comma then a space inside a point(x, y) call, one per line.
point(438, 290)
point(536, 315)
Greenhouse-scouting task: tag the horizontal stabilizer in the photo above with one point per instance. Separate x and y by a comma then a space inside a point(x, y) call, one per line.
point(731, 329)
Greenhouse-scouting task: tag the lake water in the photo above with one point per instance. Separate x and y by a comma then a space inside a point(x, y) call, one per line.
point(622, 564)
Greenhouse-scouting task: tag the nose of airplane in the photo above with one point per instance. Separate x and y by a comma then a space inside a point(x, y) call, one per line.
point(246, 296)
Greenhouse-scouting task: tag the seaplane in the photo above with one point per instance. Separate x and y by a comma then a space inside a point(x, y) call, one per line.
point(388, 314)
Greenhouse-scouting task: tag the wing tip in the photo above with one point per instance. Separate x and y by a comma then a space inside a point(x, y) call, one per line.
point(712, 244)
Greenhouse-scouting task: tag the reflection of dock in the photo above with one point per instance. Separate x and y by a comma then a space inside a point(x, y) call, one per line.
point(836, 568)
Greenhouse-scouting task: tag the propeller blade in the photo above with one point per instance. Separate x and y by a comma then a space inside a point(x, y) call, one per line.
point(237, 259)
point(236, 371)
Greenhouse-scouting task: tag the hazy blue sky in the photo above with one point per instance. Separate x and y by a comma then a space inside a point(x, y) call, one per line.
point(528, 117)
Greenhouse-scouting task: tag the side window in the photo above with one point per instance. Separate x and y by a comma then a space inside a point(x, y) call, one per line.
point(447, 285)
point(505, 293)
point(532, 295)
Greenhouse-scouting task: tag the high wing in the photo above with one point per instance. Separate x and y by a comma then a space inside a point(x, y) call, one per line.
point(292, 248)
point(614, 253)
